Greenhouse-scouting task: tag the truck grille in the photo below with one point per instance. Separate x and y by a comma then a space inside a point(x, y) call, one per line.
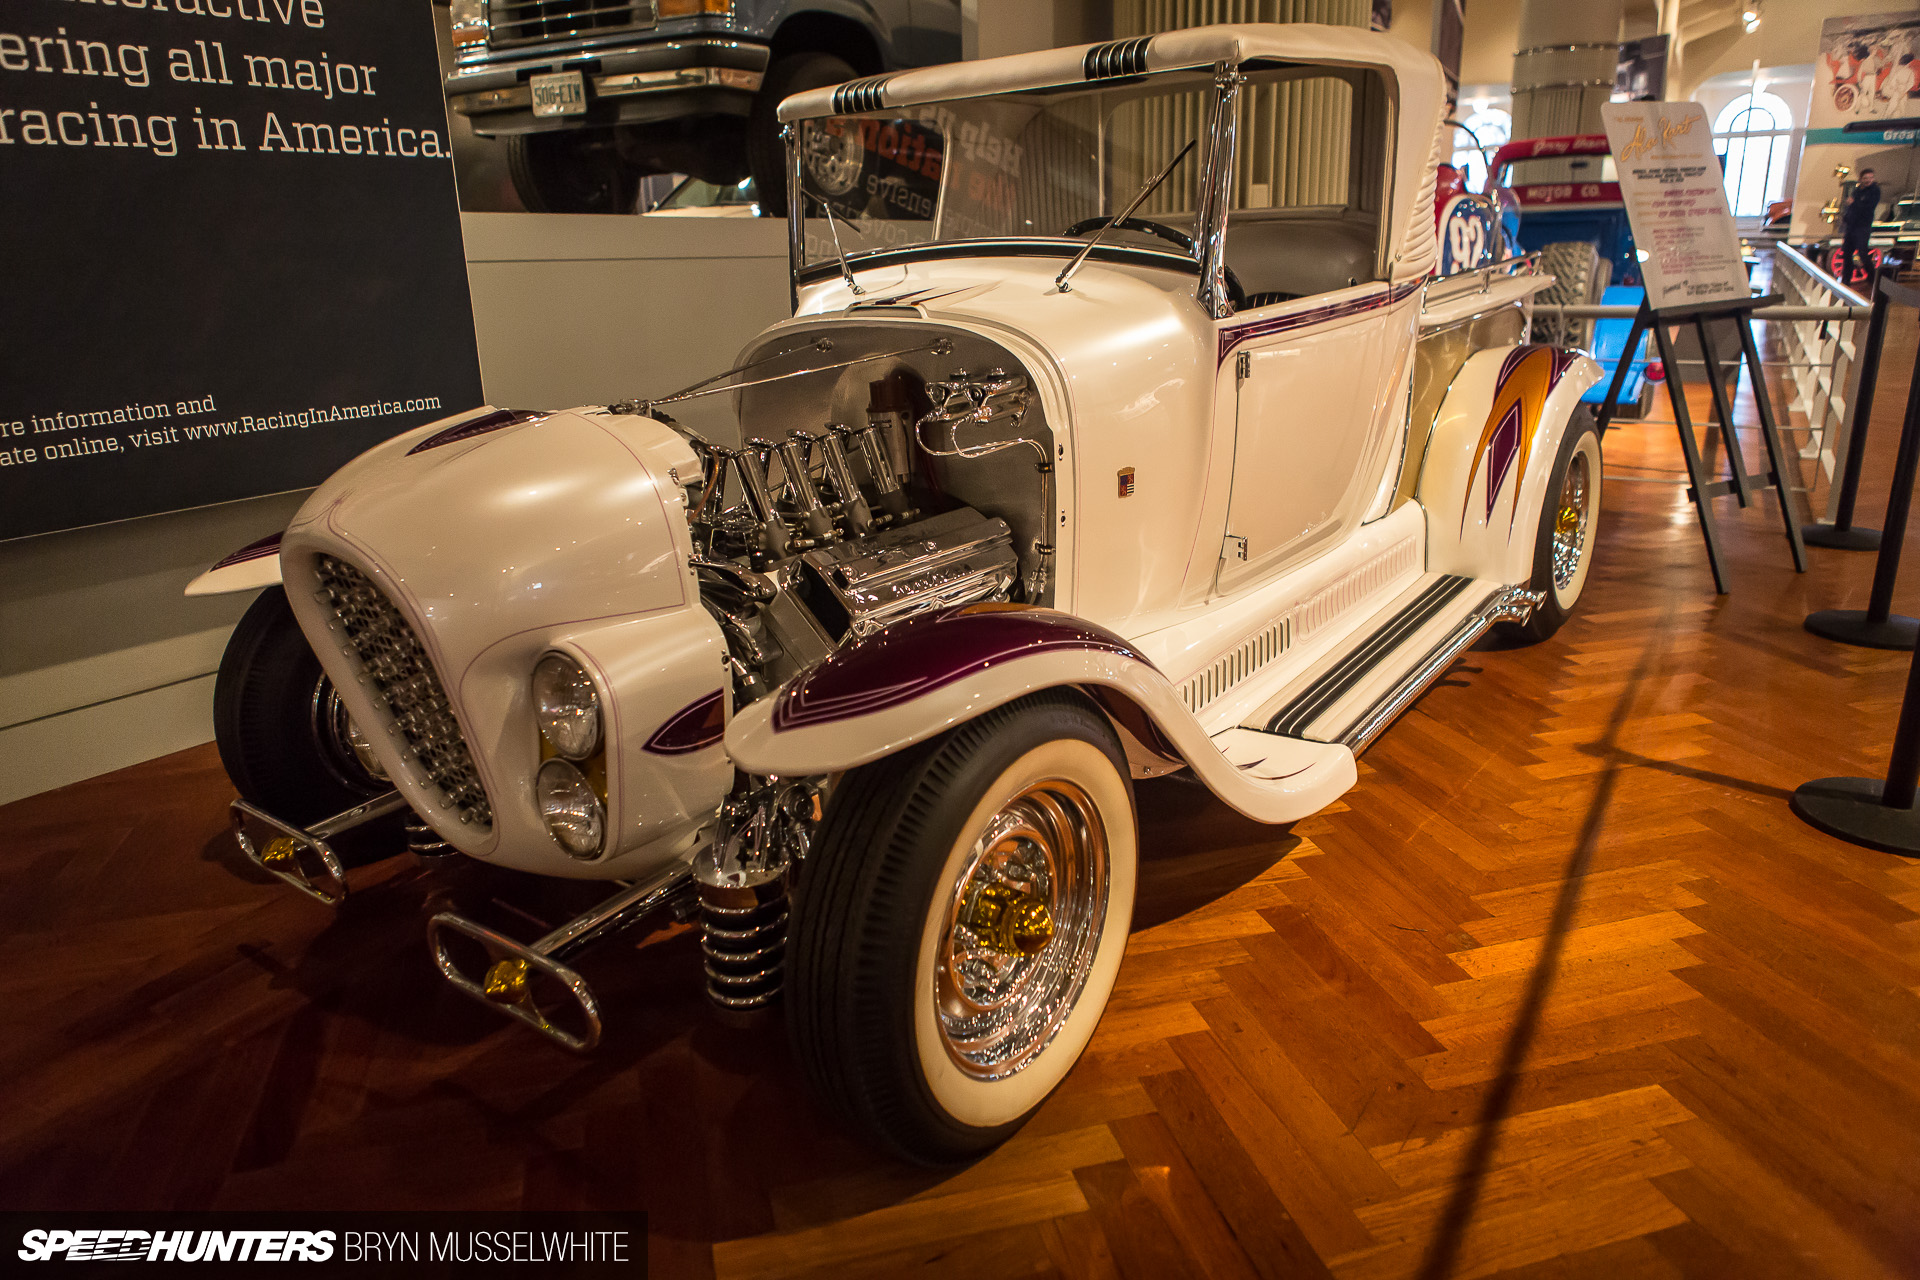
point(403, 674)
point(511, 23)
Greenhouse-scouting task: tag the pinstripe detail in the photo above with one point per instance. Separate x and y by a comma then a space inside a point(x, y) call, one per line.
point(1117, 58)
point(1233, 337)
point(859, 95)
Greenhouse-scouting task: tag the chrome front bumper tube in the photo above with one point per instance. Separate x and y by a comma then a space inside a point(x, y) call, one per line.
point(301, 856)
point(530, 982)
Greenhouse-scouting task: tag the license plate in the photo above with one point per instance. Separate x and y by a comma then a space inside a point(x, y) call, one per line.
point(559, 93)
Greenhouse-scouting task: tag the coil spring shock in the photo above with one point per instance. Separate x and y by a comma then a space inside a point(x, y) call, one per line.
point(743, 879)
point(423, 841)
point(744, 939)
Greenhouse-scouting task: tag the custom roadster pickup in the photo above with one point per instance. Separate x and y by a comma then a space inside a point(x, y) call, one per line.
point(1122, 427)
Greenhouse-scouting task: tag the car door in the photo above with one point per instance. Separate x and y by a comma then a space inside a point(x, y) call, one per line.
point(1313, 389)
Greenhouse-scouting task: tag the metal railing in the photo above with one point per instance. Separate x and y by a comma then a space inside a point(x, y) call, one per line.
point(1819, 328)
point(1824, 353)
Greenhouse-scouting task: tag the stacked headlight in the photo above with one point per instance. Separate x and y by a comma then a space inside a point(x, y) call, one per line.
point(469, 22)
point(575, 817)
point(566, 707)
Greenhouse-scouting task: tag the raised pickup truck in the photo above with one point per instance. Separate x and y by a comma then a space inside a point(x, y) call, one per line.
point(593, 95)
point(1122, 428)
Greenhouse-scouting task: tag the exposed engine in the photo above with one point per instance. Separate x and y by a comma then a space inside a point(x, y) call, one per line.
point(829, 535)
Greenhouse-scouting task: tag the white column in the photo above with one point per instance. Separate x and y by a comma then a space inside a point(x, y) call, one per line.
point(1563, 70)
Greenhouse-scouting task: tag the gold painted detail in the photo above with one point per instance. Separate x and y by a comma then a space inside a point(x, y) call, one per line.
point(507, 982)
point(281, 853)
point(1009, 920)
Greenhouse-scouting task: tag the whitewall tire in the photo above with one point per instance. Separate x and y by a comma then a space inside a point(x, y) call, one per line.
point(1569, 528)
point(960, 924)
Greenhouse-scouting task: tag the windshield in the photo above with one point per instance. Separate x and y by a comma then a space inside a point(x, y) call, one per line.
point(1023, 166)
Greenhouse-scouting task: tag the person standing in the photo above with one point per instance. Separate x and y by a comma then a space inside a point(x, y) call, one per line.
point(1856, 225)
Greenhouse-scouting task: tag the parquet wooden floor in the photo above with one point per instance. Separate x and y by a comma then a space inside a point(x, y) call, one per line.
point(1561, 989)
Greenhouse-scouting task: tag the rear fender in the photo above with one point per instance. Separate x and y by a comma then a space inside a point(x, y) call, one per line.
point(1491, 456)
point(921, 677)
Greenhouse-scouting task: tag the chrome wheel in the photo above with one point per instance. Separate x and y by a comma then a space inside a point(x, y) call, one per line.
point(1023, 924)
point(1570, 521)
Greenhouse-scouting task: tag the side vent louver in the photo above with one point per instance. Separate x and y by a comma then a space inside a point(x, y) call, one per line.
point(1305, 618)
point(1236, 666)
point(1310, 615)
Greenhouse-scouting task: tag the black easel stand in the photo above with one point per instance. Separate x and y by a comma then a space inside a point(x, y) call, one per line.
point(1843, 533)
point(1743, 484)
point(1874, 812)
point(1877, 626)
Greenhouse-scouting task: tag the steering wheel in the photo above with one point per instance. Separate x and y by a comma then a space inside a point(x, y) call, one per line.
point(1173, 235)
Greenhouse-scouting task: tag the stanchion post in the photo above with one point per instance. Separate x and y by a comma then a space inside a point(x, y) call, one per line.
point(1878, 627)
point(1874, 812)
point(1886, 567)
point(1842, 533)
point(1903, 765)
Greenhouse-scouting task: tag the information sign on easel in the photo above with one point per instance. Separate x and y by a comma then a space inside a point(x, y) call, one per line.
point(1676, 202)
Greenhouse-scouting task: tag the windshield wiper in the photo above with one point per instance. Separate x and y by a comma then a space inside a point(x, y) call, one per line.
point(1066, 273)
point(845, 270)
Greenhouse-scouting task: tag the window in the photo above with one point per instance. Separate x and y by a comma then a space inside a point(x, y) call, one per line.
point(1494, 127)
point(1753, 133)
point(1053, 163)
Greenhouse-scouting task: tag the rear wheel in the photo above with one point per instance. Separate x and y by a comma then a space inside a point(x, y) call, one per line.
point(766, 154)
point(574, 171)
point(283, 734)
point(1569, 524)
point(960, 923)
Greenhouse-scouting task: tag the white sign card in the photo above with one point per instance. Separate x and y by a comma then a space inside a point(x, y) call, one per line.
point(1677, 202)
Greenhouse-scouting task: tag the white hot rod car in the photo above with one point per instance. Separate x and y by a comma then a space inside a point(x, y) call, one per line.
point(1123, 426)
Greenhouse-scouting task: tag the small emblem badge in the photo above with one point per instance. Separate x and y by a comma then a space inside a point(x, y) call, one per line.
point(1126, 482)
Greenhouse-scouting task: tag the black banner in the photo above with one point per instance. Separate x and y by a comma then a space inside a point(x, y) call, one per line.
point(373, 1244)
point(231, 248)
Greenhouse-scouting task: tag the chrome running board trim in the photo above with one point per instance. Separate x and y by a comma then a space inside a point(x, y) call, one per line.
point(282, 855)
point(510, 984)
point(1508, 604)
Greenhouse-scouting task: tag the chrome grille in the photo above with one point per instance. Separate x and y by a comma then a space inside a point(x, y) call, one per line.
point(518, 22)
point(400, 670)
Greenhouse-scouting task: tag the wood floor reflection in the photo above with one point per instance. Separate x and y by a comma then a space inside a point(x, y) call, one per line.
point(1357, 1047)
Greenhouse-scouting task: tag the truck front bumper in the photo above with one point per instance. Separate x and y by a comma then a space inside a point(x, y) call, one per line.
point(633, 84)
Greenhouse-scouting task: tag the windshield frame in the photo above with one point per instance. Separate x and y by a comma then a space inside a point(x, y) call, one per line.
point(1207, 263)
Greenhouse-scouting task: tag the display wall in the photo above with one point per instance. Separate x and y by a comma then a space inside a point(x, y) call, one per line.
point(234, 250)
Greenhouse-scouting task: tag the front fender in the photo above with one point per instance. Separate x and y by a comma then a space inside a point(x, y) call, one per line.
point(1491, 456)
point(257, 564)
point(252, 567)
point(919, 678)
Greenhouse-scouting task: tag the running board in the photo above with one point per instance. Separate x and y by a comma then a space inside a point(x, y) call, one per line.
point(1352, 695)
point(1509, 604)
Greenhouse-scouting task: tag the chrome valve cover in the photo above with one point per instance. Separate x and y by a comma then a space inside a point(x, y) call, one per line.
point(958, 557)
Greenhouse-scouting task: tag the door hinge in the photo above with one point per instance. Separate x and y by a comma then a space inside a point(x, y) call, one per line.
point(1234, 548)
point(1242, 367)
